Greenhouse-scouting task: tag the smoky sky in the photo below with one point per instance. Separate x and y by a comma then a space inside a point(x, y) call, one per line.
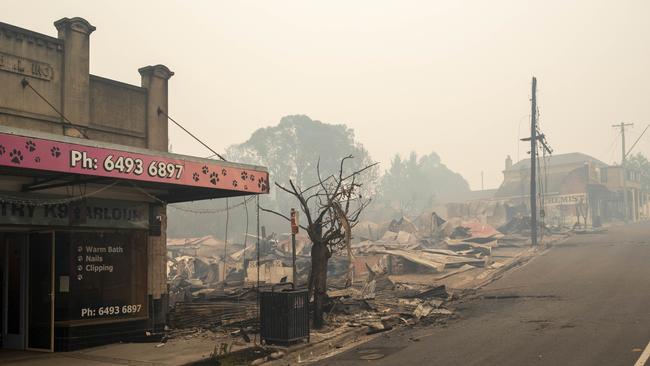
point(447, 76)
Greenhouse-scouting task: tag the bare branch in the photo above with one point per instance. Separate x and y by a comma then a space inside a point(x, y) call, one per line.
point(286, 190)
point(318, 184)
point(361, 170)
point(305, 207)
point(279, 214)
point(340, 180)
point(320, 180)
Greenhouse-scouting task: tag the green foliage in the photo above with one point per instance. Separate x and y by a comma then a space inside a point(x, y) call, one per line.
point(413, 184)
point(292, 149)
point(640, 162)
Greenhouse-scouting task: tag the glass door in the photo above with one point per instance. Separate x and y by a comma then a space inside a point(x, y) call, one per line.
point(40, 309)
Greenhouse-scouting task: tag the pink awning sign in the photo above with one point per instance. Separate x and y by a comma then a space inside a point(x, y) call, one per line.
point(27, 152)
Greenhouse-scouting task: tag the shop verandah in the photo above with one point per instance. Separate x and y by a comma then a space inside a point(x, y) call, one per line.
point(82, 234)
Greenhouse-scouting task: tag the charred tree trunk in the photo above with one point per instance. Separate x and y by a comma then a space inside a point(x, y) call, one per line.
point(319, 258)
point(337, 206)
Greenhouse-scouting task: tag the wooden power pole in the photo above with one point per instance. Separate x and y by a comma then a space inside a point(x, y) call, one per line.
point(534, 138)
point(533, 163)
point(623, 155)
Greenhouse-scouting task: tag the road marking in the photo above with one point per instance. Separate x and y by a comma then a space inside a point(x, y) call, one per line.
point(644, 356)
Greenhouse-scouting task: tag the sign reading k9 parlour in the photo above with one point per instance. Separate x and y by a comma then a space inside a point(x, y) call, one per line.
point(91, 212)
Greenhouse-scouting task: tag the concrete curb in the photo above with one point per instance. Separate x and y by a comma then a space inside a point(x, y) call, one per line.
point(309, 350)
point(519, 261)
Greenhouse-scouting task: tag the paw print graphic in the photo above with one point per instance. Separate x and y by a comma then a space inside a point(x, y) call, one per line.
point(262, 184)
point(2, 150)
point(244, 175)
point(56, 152)
point(195, 177)
point(205, 169)
point(37, 159)
point(234, 183)
point(16, 156)
point(224, 172)
point(252, 177)
point(214, 178)
point(246, 187)
point(30, 145)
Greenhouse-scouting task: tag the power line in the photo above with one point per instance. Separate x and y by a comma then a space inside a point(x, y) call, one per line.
point(519, 133)
point(26, 83)
point(160, 111)
point(258, 258)
point(245, 235)
point(637, 140)
point(190, 210)
point(225, 241)
point(609, 152)
point(46, 201)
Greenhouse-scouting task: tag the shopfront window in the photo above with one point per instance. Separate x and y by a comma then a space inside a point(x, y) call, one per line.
point(101, 275)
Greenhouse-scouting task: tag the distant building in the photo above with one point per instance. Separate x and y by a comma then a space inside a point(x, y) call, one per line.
point(574, 187)
point(85, 178)
point(638, 199)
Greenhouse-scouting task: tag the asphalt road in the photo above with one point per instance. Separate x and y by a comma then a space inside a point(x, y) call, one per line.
point(583, 302)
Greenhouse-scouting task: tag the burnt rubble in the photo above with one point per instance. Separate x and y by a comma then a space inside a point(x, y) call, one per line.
point(403, 272)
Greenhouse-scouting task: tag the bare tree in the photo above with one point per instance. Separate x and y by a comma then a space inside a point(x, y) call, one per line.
point(332, 208)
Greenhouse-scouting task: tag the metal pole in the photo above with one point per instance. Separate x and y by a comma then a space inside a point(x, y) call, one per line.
point(225, 242)
point(533, 163)
point(293, 259)
point(294, 231)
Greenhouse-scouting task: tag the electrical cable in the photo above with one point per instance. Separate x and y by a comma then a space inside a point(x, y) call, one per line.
point(258, 260)
point(26, 83)
point(539, 182)
point(45, 201)
point(225, 242)
point(243, 257)
point(547, 159)
point(202, 211)
point(160, 111)
point(610, 149)
point(519, 133)
point(637, 140)
point(245, 234)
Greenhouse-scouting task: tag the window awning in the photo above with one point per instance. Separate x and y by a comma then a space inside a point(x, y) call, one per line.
point(56, 161)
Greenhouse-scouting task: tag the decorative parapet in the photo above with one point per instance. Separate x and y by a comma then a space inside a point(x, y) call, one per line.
point(23, 35)
point(160, 71)
point(77, 24)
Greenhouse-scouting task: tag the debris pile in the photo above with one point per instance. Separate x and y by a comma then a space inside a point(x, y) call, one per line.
point(404, 271)
point(214, 311)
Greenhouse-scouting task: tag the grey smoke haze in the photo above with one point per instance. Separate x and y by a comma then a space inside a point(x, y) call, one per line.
point(451, 77)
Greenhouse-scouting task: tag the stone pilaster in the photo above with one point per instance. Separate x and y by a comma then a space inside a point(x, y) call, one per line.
point(155, 80)
point(75, 34)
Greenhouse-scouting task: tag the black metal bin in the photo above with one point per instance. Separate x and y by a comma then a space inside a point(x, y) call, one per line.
point(284, 316)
